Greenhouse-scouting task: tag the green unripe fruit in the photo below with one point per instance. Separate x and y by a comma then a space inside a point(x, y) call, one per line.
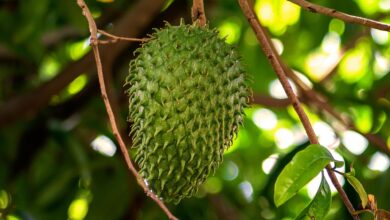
point(187, 95)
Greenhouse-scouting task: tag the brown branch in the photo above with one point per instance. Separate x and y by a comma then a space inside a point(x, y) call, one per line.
point(275, 61)
point(269, 101)
point(322, 103)
point(383, 91)
point(132, 23)
point(111, 116)
point(198, 12)
point(115, 39)
point(342, 16)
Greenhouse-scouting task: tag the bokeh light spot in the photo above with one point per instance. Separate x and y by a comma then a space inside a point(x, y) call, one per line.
point(77, 85)
point(320, 62)
point(354, 65)
point(269, 163)
point(277, 14)
point(337, 26)
point(4, 200)
point(247, 189)
point(284, 138)
point(326, 135)
point(379, 162)
point(12, 217)
point(331, 43)
point(265, 119)
point(381, 65)
point(354, 142)
point(230, 30)
point(379, 36)
point(384, 5)
point(104, 145)
point(369, 7)
point(49, 68)
point(78, 209)
point(78, 49)
point(231, 171)
point(278, 45)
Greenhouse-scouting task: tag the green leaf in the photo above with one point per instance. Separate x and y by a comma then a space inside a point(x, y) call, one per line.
point(338, 163)
point(304, 166)
point(352, 171)
point(319, 207)
point(355, 183)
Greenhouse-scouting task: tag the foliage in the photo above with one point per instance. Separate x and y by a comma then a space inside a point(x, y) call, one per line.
point(53, 165)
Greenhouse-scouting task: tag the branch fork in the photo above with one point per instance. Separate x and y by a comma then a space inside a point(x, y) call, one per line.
point(112, 117)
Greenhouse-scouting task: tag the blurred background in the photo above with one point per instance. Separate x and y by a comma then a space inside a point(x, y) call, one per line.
point(59, 159)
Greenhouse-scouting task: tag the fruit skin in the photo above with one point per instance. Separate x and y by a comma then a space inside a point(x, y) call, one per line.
point(187, 93)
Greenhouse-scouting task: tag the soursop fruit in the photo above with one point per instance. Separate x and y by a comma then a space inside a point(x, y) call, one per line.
point(187, 93)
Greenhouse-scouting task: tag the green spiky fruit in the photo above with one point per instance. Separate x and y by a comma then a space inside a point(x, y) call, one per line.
point(187, 95)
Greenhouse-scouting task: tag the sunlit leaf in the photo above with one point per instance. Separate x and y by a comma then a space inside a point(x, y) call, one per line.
point(12, 217)
point(354, 65)
point(338, 163)
point(319, 207)
point(337, 26)
point(167, 4)
point(230, 30)
point(78, 209)
point(49, 68)
point(355, 183)
point(352, 170)
point(78, 84)
point(78, 49)
point(304, 166)
point(277, 14)
point(4, 200)
point(368, 6)
point(363, 117)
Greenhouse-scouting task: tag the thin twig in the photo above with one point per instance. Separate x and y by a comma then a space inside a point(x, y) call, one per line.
point(275, 61)
point(117, 38)
point(198, 12)
point(342, 16)
point(111, 116)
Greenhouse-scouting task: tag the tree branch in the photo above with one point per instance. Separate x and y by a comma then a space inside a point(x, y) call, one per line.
point(198, 12)
point(340, 15)
point(321, 102)
point(117, 38)
point(111, 116)
point(269, 101)
point(275, 61)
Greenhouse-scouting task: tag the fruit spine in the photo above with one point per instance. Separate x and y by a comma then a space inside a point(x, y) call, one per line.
point(187, 94)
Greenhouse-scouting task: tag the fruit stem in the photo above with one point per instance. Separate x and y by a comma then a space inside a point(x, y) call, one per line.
point(198, 14)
